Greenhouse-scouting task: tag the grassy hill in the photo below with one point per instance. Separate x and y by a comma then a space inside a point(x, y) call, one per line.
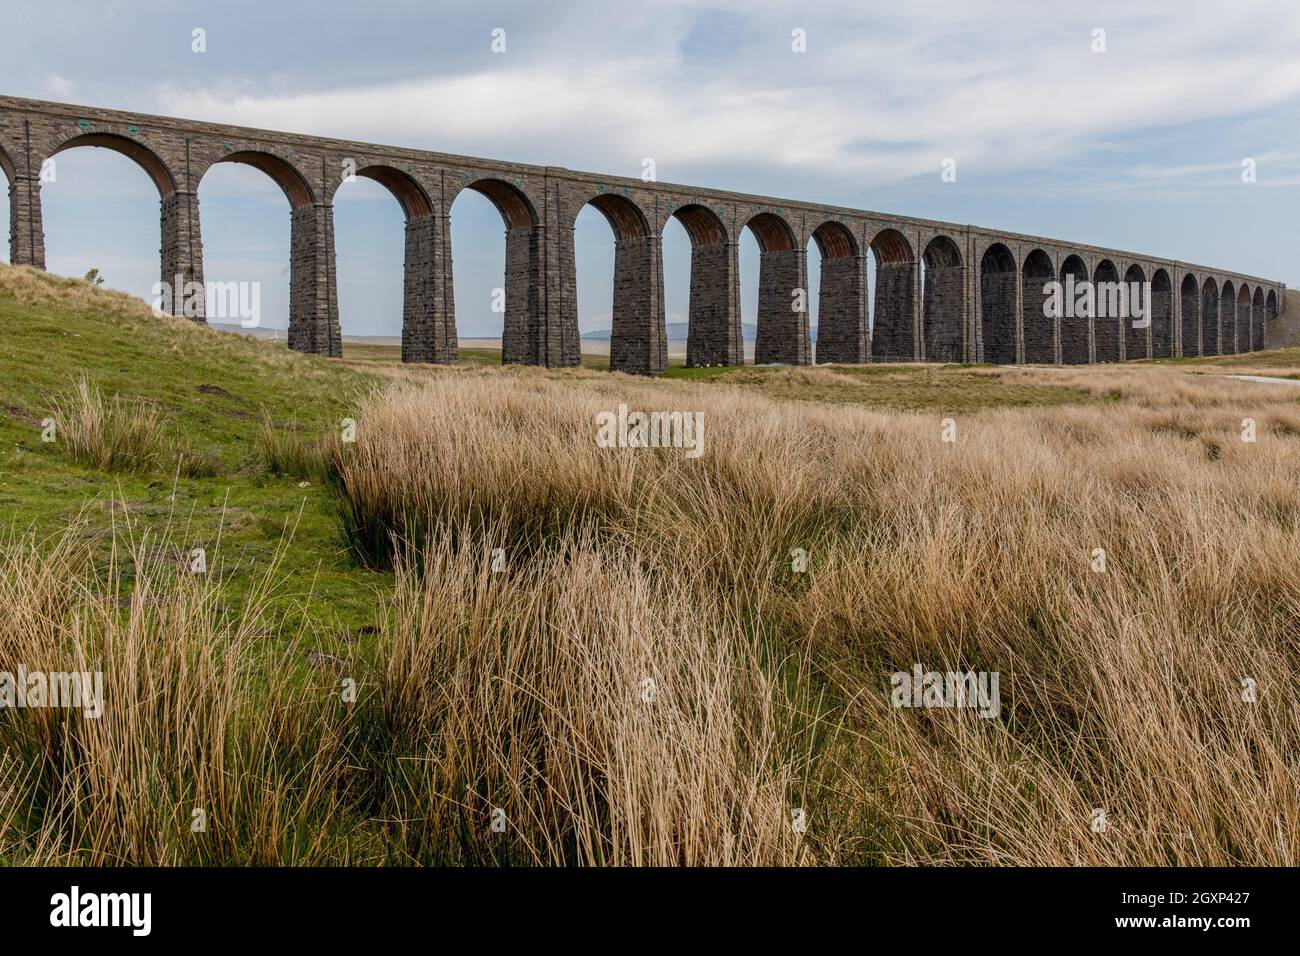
point(212, 391)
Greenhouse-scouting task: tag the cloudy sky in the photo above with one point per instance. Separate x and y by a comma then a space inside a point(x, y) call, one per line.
point(1138, 147)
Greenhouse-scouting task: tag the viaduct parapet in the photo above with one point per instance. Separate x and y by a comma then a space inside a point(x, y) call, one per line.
point(942, 293)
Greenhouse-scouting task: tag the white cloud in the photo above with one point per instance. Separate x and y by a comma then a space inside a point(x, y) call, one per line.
point(878, 97)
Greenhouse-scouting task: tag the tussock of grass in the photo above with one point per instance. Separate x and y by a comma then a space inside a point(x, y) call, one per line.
point(116, 434)
point(121, 434)
point(606, 713)
point(193, 720)
point(286, 451)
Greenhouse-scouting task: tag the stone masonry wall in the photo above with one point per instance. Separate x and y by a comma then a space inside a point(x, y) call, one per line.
point(1209, 323)
point(639, 339)
point(782, 335)
point(893, 338)
point(1191, 324)
point(942, 300)
point(182, 247)
point(842, 311)
point(998, 310)
point(713, 332)
point(1040, 331)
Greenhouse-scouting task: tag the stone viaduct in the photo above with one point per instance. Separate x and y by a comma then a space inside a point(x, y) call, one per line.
point(943, 292)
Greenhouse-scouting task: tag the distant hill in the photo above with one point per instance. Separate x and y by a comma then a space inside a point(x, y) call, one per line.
point(677, 332)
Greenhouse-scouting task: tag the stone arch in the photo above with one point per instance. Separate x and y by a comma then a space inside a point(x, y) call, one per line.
point(842, 300)
point(713, 335)
point(1270, 314)
point(772, 232)
point(835, 240)
point(424, 336)
point(1074, 327)
point(1257, 320)
point(704, 226)
point(998, 280)
point(782, 326)
point(180, 255)
point(403, 187)
point(7, 167)
point(943, 293)
point(524, 337)
point(144, 157)
point(1040, 331)
point(638, 335)
point(1209, 316)
point(624, 216)
point(1135, 338)
point(517, 210)
point(1189, 296)
point(1162, 314)
point(291, 181)
point(1105, 320)
point(1228, 318)
point(893, 336)
point(1075, 315)
point(313, 280)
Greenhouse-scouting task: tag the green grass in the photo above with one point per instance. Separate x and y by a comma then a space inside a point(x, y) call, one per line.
point(213, 390)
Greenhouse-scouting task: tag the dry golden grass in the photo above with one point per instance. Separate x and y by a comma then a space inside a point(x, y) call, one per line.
point(193, 720)
point(1121, 690)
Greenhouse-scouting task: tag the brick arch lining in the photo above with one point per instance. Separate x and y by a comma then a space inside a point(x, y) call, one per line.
point(942, 253)
point(772, 232)
point(623, 215)
point(412, 197)
point(835, 241)
point(513, 205)
point(998, 258)
point(891, 248)
point(701, 224)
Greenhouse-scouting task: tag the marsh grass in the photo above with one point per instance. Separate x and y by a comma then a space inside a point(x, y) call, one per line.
point(126, 435)
point(1121, 690)
point(286, 449)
